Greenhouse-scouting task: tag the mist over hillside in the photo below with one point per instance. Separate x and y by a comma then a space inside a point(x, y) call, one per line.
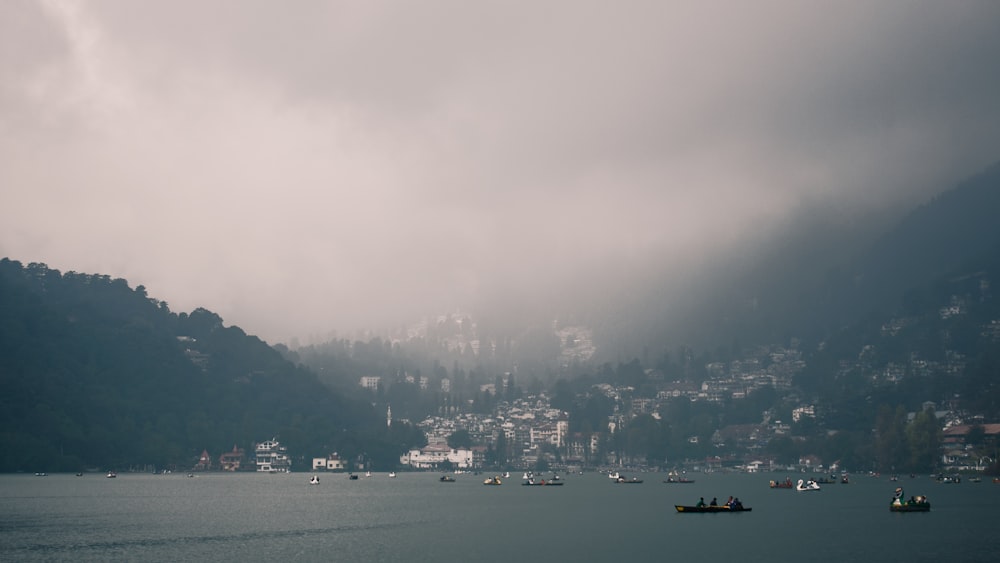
point(812, 276)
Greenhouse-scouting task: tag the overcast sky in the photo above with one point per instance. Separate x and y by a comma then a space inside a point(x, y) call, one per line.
point(299, 167)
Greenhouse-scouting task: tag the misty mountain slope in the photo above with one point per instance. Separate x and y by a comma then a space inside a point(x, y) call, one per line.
point(96, 374)
point(814, 277)
point(934, 240)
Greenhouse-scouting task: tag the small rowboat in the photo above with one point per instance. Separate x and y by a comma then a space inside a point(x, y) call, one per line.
point(713, 509)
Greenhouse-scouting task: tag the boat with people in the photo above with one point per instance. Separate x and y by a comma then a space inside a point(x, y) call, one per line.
point(494, 480)
point(673, 477)
point(721, 509)
point(392, 474)
point(314, 480)
point(622, 480)
point(554, 481)
point(810, 485)
point(447, 479)
point(352, 477)
point(913, 504)
point(111, 475)
point(786, 484)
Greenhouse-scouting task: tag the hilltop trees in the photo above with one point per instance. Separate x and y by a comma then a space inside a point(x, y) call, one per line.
point(906, 446)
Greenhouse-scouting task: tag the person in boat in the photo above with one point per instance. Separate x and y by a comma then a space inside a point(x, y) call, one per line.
point(737, 505)
point(701, 502)
point(729, 502)
point(714, 502)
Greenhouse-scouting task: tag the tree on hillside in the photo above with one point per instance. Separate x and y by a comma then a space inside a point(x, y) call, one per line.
point(460, 439)
point(923, 436)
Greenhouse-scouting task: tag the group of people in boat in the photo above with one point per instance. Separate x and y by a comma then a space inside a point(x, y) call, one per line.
point(897, 498)
point(733, 503)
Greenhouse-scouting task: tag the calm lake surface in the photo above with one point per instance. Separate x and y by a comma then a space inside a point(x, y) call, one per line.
point(416, 518)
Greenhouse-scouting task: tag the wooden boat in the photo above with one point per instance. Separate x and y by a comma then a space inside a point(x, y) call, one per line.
point(713, 509)
point(786, 484)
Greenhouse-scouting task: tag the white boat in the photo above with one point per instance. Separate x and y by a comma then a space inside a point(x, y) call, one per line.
point(392, 474)
point(809, 485)
point(314, 480)
point(112, 474)
point(368, 473)
point(614, 476)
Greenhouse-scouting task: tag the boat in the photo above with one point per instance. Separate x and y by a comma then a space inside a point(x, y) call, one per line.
point(675, 477)
point(626, 481)
point(809, 485)
point(447, 479)
point(713, 509)
point(368, 473)
point(352, 476)
point(112, 475)
point(554, 481)
point(41, 474)
point(914, 504)
point(786, 484)
point(494, 480)
point(844, 479)
point(392, 474)
point(506, 474)
point(314, 480)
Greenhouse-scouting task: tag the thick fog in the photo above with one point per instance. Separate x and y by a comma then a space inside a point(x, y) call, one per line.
point(313, 166)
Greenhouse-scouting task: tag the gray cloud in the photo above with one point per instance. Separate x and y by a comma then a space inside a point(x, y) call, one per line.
point(332, 165)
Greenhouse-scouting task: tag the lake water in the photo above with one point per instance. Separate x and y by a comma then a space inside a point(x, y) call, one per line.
point(415, 518)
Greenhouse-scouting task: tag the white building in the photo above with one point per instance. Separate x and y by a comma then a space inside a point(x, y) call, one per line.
point(433, 456)
point(272, 457)
point(370, 382)
point(329, 463)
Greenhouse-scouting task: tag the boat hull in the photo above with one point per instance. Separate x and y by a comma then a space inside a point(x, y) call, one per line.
point(921, 507)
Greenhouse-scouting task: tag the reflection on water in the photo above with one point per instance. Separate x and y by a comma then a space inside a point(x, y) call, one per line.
point(415, 518)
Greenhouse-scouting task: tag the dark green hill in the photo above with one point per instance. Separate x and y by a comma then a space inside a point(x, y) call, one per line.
point(96, 374)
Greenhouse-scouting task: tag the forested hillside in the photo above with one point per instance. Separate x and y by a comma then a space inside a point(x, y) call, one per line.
point(95, 374)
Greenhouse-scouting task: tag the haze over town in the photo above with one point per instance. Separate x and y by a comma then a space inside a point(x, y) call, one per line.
point(339, 165)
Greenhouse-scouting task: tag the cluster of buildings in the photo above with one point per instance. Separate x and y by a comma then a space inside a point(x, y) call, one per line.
point(528, 427)
point(269, 457)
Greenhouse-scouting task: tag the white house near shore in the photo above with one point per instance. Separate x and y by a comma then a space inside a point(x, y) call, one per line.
point(433, 456)
point(329, 463)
